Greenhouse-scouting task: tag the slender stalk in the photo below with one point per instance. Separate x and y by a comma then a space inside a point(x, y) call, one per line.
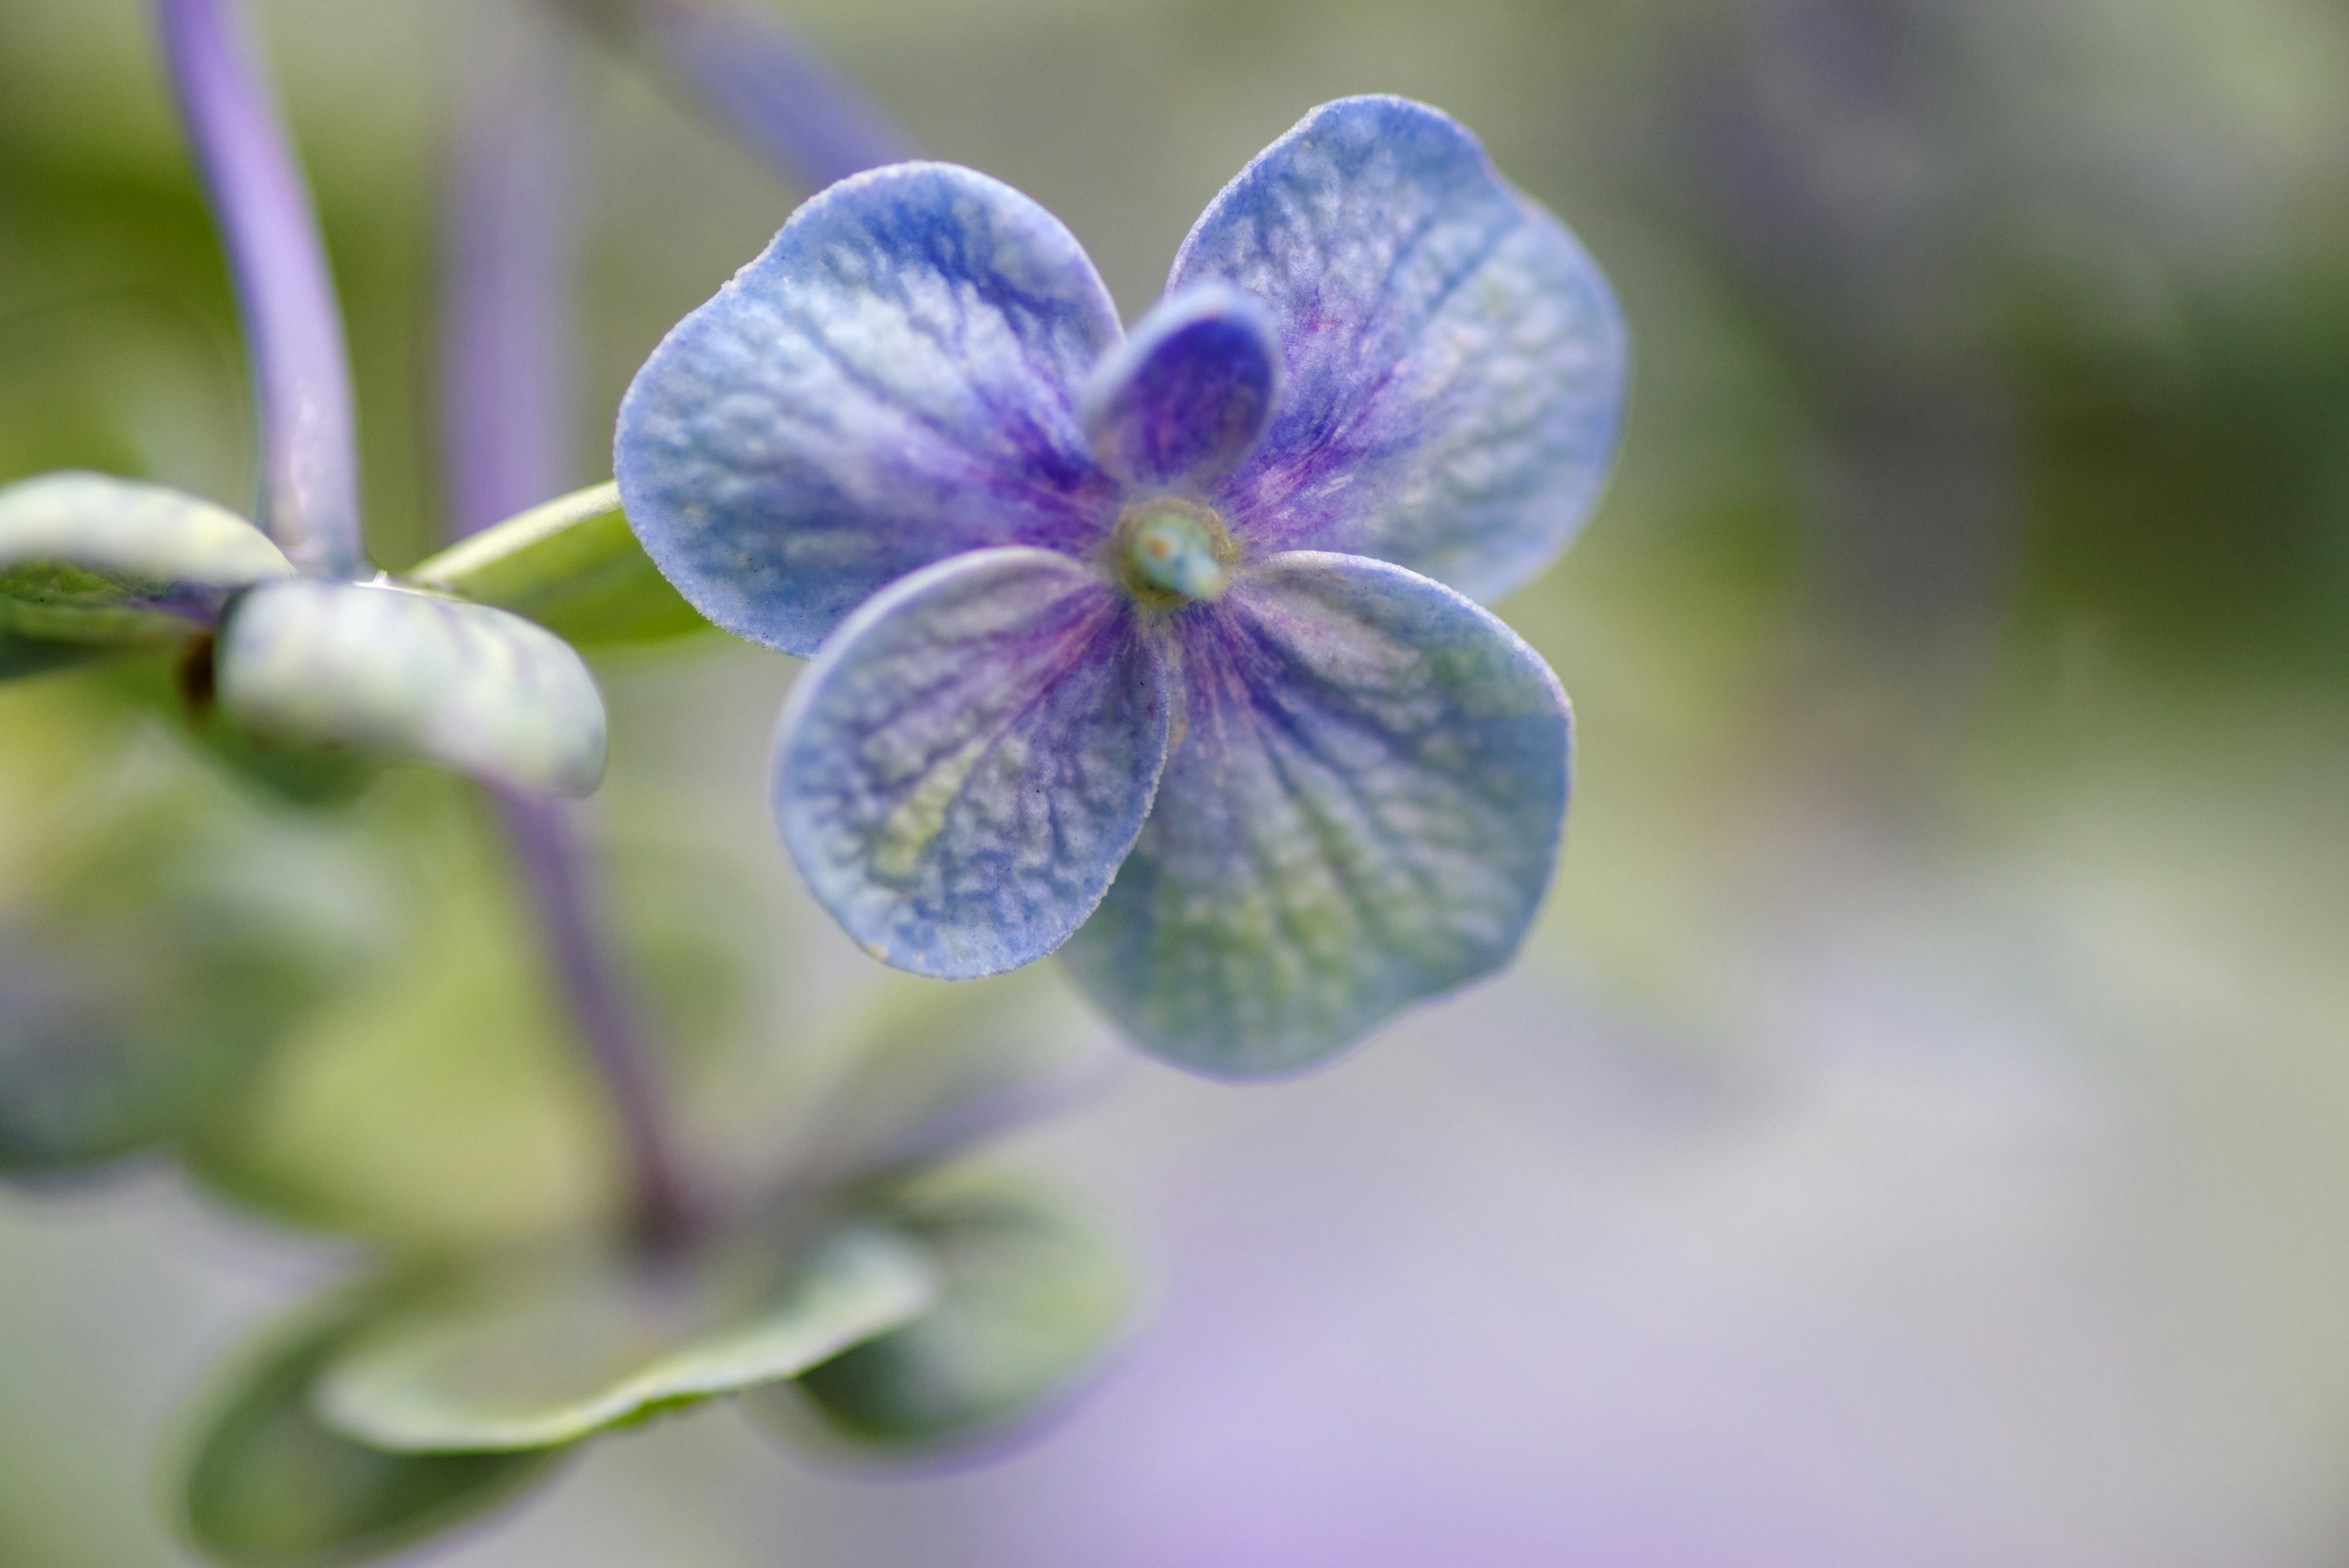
point(285, 294)
point(778, 96)
point(547, 846)
point(505, 365)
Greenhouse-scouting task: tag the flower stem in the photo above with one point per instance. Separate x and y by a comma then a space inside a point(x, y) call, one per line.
point(285, 294)
point(505, 376)
point(546, 844)
point(779, 96)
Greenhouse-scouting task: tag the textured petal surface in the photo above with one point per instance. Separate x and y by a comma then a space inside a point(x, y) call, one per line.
point(1454, 360)
point(408, 674)
point(1186, 397)
point(1364, 810)
point(960, 774)
point(892, 381)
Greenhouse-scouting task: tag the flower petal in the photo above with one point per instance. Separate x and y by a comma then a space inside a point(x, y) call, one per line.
point(960, 774)
point(893, 381)
point(1365, 812)
point(1188, 394)
point(1454, 360)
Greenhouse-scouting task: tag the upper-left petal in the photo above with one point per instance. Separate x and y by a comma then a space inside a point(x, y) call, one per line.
point(891, 382)
point(1364, 811)
point(960, 774)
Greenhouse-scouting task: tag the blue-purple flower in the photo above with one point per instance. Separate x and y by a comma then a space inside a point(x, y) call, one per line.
point(1164, 646)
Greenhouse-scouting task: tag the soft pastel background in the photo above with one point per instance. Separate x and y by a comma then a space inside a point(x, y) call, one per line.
point(1915, 1133)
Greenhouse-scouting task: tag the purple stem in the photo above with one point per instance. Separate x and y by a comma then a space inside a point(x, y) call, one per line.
point(776, 94)
point(547, 844)
point(505, 365)
point(286, 293)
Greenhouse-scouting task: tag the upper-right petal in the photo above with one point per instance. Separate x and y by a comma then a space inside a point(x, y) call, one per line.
point(1455, 361)
point(893, 381)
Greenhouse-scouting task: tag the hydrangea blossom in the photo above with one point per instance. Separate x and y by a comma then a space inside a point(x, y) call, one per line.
point(1162, 646)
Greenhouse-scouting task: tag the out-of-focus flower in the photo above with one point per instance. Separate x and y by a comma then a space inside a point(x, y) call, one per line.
point(1166, 637)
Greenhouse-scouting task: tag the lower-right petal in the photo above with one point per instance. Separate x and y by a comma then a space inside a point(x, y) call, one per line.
point(1363, 812)
point(965, 765)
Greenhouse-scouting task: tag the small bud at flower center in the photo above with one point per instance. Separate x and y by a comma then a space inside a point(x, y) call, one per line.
point(1171, 552)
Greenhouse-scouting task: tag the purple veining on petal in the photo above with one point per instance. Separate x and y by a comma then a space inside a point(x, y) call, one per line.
point(893, 380)
point(1186, 397)
point(286, 293)
point(1363, 811)
point(961, 771)
point(1455, 362)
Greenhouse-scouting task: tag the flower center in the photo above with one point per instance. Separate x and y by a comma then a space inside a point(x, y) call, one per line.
point(1171, 552)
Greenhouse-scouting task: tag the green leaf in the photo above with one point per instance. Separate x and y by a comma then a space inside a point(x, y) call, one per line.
point(524, 1358)
point(175, 937)
point(24, 656)
point(88, 559)
point(402, 673)
point(1030, 1296)
point(573, 565)
point(443, 1102)
point(947, 1065)
point(270, 1487)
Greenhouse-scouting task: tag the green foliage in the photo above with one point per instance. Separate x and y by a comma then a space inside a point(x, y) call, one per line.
point(23, 656)
point(531, 1355)
point(410, 674)
point(573, 565)
point(183, 934)
point(440, 1101)
point(942, 1067)
point(1030, 1293)
point(270, 1487)
point(89, 558)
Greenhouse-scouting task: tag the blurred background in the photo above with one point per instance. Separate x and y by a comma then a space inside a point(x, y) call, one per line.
point(1914, 1133)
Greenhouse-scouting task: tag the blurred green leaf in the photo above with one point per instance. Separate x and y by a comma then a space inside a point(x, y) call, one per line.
point(410, 674)
point(444, 1103)
point(573, 565)
point(24, 656)
point(1030, 1294)
point(947, 1065)
point(85, 557)
point(525, 1357)
point(179, 937)
point(270, 1487)
point(304, 775)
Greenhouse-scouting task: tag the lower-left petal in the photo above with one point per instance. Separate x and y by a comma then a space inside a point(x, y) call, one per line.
point(962, 770)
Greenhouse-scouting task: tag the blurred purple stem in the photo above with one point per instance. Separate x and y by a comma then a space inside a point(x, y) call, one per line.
point(286, 293)
point(554, 860)
point(778, 97)
point(505, 363)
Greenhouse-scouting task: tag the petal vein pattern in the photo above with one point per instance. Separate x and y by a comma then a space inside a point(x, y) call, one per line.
point(960, 774)
point(1363, 811)
point(1455, 361)
point(893, 381)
